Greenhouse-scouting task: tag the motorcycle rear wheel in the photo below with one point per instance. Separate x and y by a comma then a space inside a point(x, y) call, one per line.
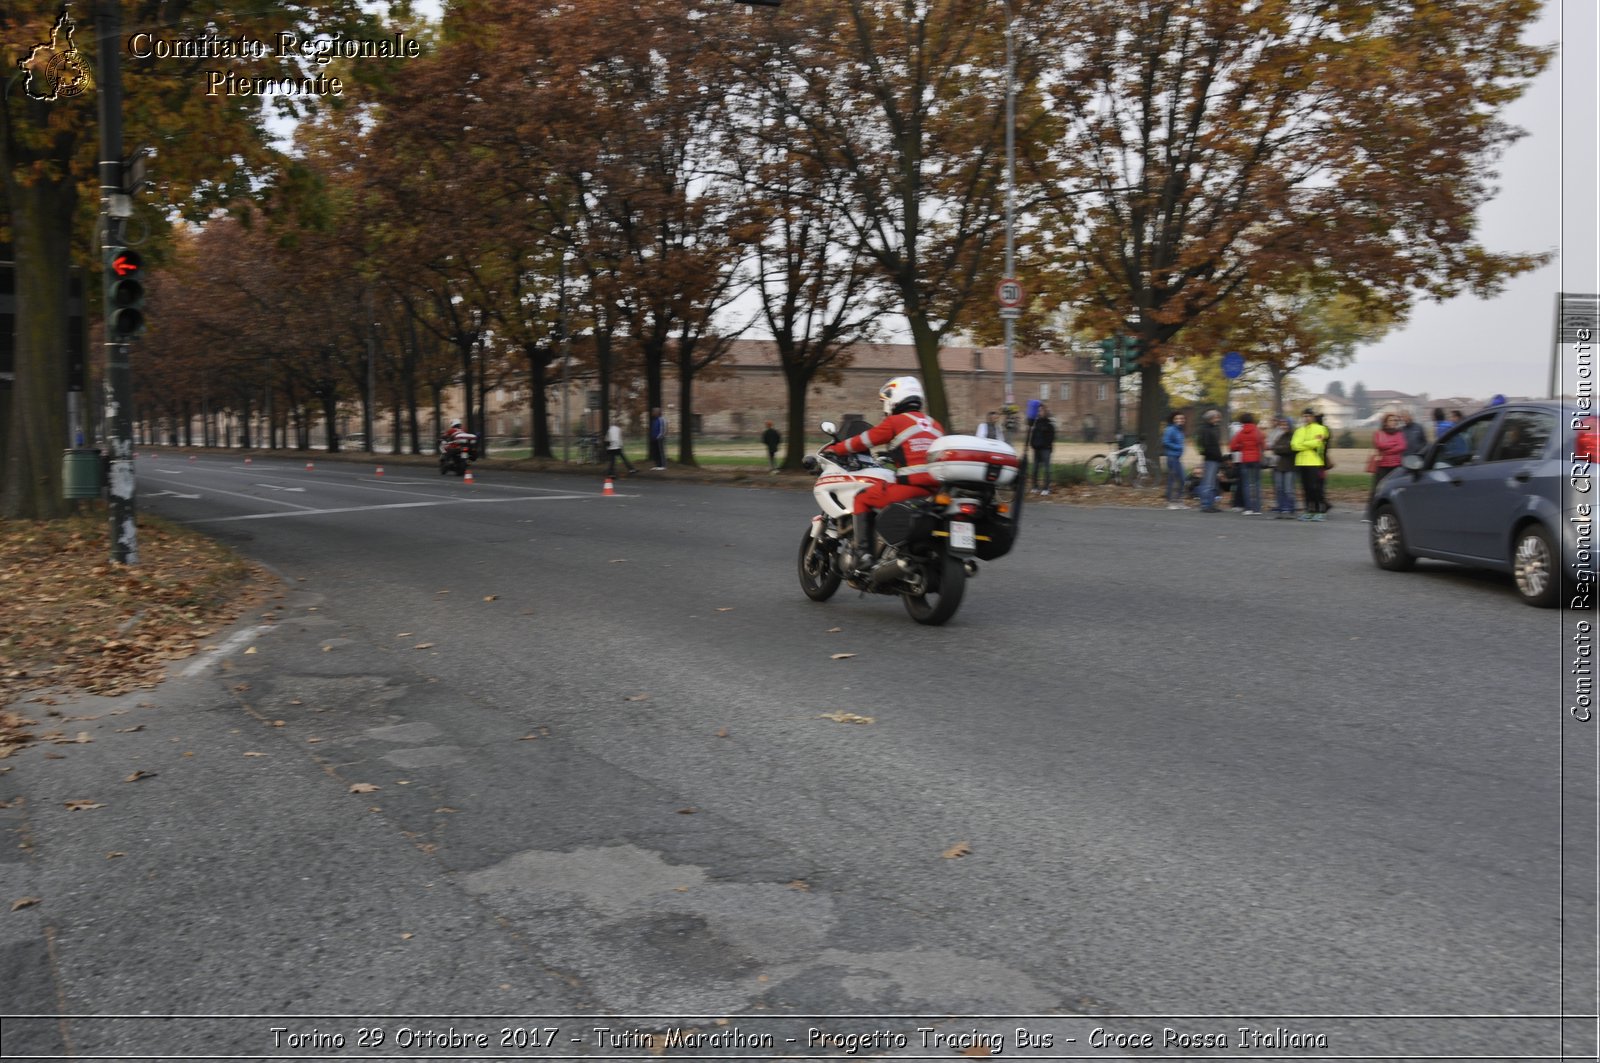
point(942, 601)
point(822, 577)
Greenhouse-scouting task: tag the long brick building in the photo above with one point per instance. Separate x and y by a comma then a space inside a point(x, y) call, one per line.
point(746, 389)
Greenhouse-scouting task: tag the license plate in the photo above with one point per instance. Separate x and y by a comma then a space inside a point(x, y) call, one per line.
point(962, 536)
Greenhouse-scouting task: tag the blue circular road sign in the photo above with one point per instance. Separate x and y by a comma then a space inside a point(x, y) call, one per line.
point(1232, 364)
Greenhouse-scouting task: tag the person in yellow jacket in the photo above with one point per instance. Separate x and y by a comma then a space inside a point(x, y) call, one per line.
point(1310, 446)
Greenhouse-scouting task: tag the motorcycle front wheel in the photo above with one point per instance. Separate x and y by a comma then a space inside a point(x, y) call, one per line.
point(944, 595)
point(819, 570)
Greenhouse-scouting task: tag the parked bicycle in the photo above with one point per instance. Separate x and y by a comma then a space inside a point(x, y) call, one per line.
point(1128, 466)
point(589, 452)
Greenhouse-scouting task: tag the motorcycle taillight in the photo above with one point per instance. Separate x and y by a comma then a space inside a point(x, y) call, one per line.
point(970, 509)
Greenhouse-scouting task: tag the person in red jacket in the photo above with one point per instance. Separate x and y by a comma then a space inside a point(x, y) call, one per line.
point(1247, 443)
point(907, 432)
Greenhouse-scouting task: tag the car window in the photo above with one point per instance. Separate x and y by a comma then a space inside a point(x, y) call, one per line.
point(1523, 435)
point(1463, 442)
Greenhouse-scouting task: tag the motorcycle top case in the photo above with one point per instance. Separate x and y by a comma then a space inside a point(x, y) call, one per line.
point(971, 459)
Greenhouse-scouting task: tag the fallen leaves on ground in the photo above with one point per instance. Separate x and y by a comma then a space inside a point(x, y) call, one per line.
point(136, 776)
point(25, 902)
point(71, 620)
point(842, 656)
point(956, 851)
point(82, 806)
point(846, 717)
point(364, 788)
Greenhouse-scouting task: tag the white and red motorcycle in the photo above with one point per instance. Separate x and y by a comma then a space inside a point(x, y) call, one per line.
point(926, 549)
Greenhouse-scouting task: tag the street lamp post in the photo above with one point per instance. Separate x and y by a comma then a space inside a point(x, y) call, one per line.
point(1011, 197)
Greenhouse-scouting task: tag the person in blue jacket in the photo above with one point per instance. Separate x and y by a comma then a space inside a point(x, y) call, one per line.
point(1172, 449)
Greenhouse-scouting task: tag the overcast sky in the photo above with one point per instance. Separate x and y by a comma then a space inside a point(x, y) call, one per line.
point(1547, 202)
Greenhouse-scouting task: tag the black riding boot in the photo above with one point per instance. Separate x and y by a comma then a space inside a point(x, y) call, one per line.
point(863, 523)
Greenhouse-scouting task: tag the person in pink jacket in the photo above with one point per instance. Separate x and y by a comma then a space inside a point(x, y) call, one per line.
point(1247, 443)
point(1389, 442)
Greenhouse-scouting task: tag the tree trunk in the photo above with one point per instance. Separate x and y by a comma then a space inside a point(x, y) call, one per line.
point(686, 410)
point(539, 362)
point(798, 380)
point(41, 223)
point(927, 343)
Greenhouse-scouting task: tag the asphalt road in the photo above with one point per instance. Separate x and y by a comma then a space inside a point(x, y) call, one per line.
point(1166, 771)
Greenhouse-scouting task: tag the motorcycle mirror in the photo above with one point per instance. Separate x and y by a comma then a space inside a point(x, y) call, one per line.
point(829, 427)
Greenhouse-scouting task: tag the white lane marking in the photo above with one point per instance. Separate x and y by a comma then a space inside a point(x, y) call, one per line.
point(275, 487)
point(253, 498)
point(217, 653)
point(174, 494)
point(306, 511)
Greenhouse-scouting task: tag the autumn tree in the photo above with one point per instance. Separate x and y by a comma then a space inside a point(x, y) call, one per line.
point(903, 106)
point(1207, 150)
point(208, 151)
point(1312, 322)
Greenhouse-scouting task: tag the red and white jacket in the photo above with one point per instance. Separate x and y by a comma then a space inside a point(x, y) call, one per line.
point(907, 436)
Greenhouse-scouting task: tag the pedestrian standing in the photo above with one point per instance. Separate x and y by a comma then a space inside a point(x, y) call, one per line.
point(1209, 441)
point(1443, 423)
point(772, 440)
point(614, 452)
point(1172, 450)
point(1388, 450)
point(1042, 438)
point(1309, 443)
point(1416, 437)
point(990, 428)
point(1248, 444)
point(1282, 469)
point(658, 440)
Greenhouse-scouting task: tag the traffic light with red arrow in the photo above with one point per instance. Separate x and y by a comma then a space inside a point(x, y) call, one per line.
point(124, 294)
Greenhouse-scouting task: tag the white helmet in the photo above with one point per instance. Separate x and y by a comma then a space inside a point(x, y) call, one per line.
point(900, 393)
point(456, 423)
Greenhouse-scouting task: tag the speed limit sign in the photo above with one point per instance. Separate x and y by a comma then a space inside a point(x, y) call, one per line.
point(1009, 292)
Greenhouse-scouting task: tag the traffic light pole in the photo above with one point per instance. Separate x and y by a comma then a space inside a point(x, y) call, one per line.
point(118, 428)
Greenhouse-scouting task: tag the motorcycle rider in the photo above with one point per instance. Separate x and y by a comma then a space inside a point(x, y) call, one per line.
point(907, 432)
point(454, 432)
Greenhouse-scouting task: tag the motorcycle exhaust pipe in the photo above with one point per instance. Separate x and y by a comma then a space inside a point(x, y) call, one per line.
point(889, 570)
point(971, 566)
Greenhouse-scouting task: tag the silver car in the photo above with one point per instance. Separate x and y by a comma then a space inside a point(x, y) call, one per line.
point(1511, 488)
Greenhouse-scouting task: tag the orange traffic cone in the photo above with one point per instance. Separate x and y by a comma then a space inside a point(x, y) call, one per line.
point(247, 461)
point(191, 457)
point(609, 489)
point(308, 466)
point(469, 476)
point(380, 470)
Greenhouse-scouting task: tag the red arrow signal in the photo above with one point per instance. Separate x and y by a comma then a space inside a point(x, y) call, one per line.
point(123, 265)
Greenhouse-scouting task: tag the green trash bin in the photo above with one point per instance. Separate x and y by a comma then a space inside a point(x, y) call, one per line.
point(80, 476)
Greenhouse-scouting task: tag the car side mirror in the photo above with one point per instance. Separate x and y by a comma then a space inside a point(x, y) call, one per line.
point(829, 427)
point(1413, 463)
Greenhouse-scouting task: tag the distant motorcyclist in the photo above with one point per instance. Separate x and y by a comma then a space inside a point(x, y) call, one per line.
point(907, 432)
point(456, 432)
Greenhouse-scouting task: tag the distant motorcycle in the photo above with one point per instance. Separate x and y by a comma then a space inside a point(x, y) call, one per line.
point(457, 453)
point(926, 548)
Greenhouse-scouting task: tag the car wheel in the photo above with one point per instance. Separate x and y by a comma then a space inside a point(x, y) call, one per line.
point(1533, 567)
point(1388, 541)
